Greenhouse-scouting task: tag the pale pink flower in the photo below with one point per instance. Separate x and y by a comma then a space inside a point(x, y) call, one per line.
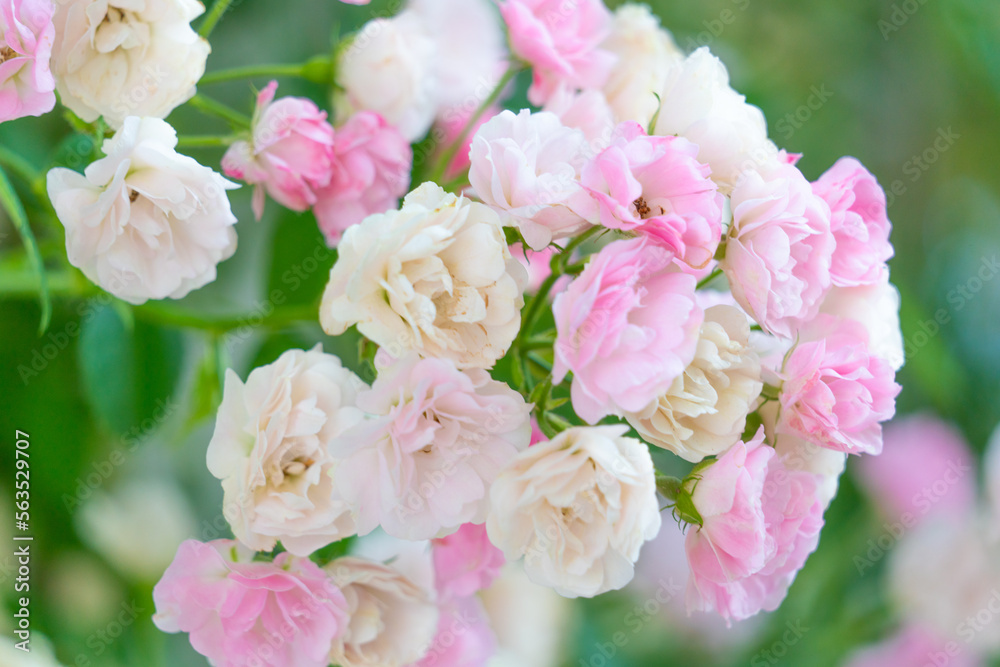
point(626, 327)
point(913, 646)
point(370, 172)
point(289, 154)
point(356, 2)
point(465, 561)
point(761, 522)
point(26, 36)
point(561, 40)
point(526, 166)
point(835, 392)
point(778, 249)
point(423, 465)
point(536, 263)
point(858, 221)
point(732, 543)
point(240, 613)
point(925, 467)
point(464, 637)
point(656, 186)
point(876, 308)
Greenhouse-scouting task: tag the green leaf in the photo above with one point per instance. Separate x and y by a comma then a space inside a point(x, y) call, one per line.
point(106, 358)
point(12, 204)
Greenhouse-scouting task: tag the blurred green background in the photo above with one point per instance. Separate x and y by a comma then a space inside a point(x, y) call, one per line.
point(119, 401)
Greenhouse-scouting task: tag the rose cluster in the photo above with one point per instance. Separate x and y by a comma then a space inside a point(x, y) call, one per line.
point(630, 263)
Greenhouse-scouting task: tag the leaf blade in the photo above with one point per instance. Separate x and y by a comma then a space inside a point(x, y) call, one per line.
point(15, 209)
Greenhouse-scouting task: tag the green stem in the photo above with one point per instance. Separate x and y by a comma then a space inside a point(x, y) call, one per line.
point(205, 141)
point(19, 166)
point(158, 313)
point(449, 154)
point(253, 71)
point(213, 17)
point(24, 284)
point(709, 278)
point(215, 108)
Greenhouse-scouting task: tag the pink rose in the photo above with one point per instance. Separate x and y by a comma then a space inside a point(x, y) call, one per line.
point(925, 467)
point(450, 124)
point(423, 464)
point(655, 186)
point(26, 37)
point(465, 561)
point(289, 154)
point(913, 646)
point(835, 392)
point(464, 637)
point(240, 613)
point(778, 249)
point(858, 221)
point(732, 543)
point(561, 40)
point(761, 522)
point(584, 110)
point(626, 327)
point(371, 171)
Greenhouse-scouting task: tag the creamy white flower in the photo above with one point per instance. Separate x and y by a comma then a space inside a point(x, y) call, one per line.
point(531, 622)
point(138, 527)
point(877, 308)
point(388, 67)
point(119, 58)
point(435, 276)
point(587, 111)
point(578, 508)
point(470, 48)
point(704, 411)
point(699, 105)
point(645, 54)
point(145, 222)
point(392, 620)
point(270, 449)
point(799, 454)
point(527, 167)
point(945, 574)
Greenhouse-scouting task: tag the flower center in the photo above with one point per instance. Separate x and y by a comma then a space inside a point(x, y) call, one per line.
point(297, 467)
point(643, 210)
point(6, 53)
point(133, 195)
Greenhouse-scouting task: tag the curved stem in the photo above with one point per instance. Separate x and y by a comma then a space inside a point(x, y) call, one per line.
point(709, 278)
point(437, 173)
point(215, 108)
point(213, 17)
point(252, 71)
point(205, 141)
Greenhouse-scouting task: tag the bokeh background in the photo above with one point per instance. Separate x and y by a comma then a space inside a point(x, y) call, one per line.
point(118, 401)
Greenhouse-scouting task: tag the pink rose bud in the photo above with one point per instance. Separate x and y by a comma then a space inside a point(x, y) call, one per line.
point(289, 155)
point(561, 41)
point(371, 171)
point(858, 221)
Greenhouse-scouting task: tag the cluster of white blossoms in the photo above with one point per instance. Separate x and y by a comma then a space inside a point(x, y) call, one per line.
point(630, 263)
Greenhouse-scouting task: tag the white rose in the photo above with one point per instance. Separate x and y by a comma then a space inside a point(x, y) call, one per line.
point(944, 574)
point(531, 622)
point(388, 67)
point(270, 451)
point(877, 308)
point(435, 276)
point(392, 620)
point(577, 508)
point(645, 54)
point(527, 167)
point(124, 58)
point(470, 48)
point(138, 527)
point(145, 222)
point(699, 105)
point(799, 454)
point(704, 411)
